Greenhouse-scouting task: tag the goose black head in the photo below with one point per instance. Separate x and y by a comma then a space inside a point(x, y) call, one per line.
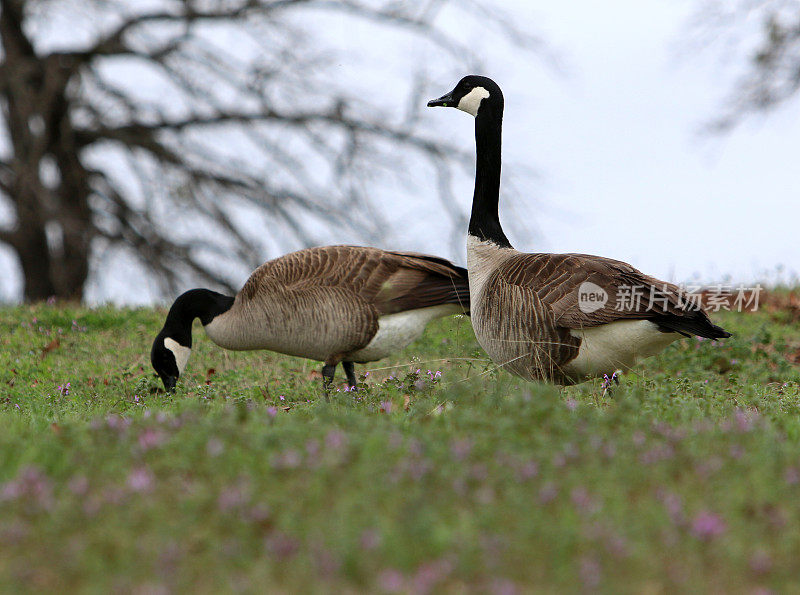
point(169, 358)
point(173, 345)
point(471, 94)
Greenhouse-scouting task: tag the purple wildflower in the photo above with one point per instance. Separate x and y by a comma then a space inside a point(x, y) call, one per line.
point(745, 420)
point(117, 422)
point(737, 451)
point(707, 525)
point(479, 472)
point(672, 502)
point(386, 407)
point(395, 440)
point(660, 452)
point(140, 480)
point(214, 447)
point(31, 486)
point(429, 574)
point(326, 562)
point(151, 438)
point(272, 412)
point(313, 448)
point(233, 497)
point(609, 380)
point(78, 485)
point(583, 501)
point(415, 447)
point(761, 562)
point(391, 580)
point(528, 470)
point(590, 572)
point(548, 493)
point(461, 448)
point(335, 440)
point(370, 539)
point(281, 545)
point(418, 468)
point(503, 586)
point(288, 459)
point(259, 513)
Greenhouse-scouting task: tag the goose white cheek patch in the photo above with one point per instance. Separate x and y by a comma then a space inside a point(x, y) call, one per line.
point(180, 352)
point(472, 100)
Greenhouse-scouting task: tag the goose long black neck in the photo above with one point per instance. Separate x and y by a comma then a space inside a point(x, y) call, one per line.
point(195, 303)
point(484, 221)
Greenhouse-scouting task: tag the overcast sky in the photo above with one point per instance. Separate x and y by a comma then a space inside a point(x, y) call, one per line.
point(614, 132)
point(627, 173)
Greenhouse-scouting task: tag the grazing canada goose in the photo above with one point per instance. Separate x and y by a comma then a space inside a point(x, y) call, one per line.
point(332, 304)
point(559, 317)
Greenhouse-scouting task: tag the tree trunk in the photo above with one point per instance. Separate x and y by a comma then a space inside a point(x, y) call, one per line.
point(30, 243)
point(56, 197)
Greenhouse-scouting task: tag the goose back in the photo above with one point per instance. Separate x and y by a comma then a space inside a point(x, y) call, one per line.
point(328, 303)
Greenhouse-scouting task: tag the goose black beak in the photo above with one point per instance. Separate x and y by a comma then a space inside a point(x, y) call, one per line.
point(443, 101)
point(169, 382)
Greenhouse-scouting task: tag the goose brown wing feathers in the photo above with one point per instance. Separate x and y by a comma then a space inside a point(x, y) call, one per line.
point(391, 281)
point(559, 279)
point(420, 281)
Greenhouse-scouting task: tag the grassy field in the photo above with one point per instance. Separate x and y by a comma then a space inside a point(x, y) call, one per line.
point(442, 474)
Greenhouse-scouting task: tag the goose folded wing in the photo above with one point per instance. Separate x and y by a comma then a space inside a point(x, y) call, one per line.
point(391, 281)
point(325, 266)
point(421, 281)
point(564, 281)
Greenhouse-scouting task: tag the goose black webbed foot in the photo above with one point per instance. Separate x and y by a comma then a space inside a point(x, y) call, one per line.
point(349, 369)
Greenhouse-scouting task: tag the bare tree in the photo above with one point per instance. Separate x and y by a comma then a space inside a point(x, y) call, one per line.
point(136, 124)
point(766, 35)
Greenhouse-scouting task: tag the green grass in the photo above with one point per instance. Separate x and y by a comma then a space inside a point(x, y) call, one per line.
point(686, 478)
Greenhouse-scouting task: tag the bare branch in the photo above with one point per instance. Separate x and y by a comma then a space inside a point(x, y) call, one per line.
point(772, 66)
point(230, 117)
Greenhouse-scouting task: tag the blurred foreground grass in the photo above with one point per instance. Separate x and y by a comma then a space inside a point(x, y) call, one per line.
point(452, 478)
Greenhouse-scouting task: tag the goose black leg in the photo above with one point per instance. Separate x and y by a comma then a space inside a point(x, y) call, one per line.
point(351, 374)
point(328, 371)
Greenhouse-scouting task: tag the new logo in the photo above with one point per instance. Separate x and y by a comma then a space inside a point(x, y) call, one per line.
point(591, 297)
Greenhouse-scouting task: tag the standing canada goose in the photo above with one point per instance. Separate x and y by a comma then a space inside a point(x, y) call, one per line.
point(332, 304)
point(564, 318)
